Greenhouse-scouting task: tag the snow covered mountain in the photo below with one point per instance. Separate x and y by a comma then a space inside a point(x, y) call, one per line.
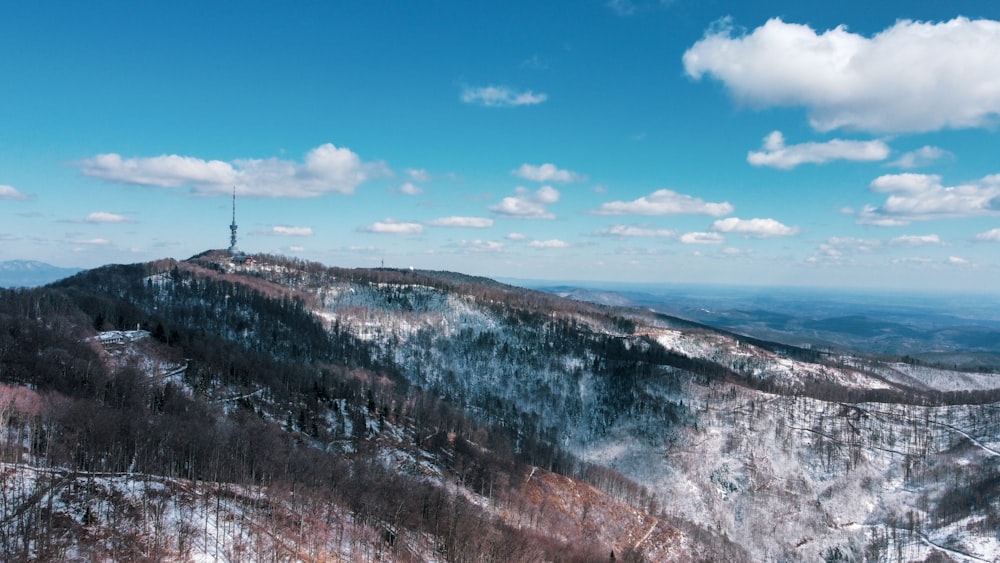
point(611, 429)
point(791, 454)
point(31, 273)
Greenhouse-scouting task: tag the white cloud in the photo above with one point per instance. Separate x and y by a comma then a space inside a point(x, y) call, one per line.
point(466, 222)
point(621, 7)
point(916, 240)
point(105, 217)
point(501, 96)
point(778, 155)
point(627, 8)
point(702, 238)
point(9, 192)
point(408, 188)
point(631, 231)
point(286, 231)
point(915, 197)
point(911, 77)
point(838, 249)
point(665, 202)
point(552, 243)
point(526, 204)
point(923, 156)
point(479, 246)
point(162, 171)
point(516, 236)
point(992, 235)
point(547, 173)
point(957, 261)
point(918, 260)
point(93, 241)
point(905, 183)
point(870, 215)
point(418, 174)
point(857, 244)
point(826, 252)
point(636, 251)
point(393, 227)
point(534, 62)
point(758, 228)
point(325, 169)
point(296, 248)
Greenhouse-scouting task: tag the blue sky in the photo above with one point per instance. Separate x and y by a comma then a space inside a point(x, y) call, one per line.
point(798, 143)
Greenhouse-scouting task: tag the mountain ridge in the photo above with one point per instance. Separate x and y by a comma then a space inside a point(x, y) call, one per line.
point(478, 385)
point(31, 273)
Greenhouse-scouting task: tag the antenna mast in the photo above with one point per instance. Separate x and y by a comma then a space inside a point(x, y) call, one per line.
point(232, 227)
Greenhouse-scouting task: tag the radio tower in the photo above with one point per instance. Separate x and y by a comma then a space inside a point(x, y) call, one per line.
point(232, 228)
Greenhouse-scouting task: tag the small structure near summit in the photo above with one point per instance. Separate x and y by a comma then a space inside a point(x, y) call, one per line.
point(115, 338)
point(239, 257)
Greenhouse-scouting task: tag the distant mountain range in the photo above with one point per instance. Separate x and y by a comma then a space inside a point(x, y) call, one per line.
point(938, 328)
point(31, 273)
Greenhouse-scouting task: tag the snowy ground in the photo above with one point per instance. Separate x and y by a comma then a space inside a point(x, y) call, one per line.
point(797, 478)
point(940, 379)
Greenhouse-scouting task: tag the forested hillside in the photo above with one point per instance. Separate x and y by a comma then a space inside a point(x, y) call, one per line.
point(243, 428)
point(291, 411)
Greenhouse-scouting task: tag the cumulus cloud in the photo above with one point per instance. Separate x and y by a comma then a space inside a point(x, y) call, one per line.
point(916, 240)
point(923, 156)
point(957, 261)
point(325, 169)
point(393, 227)
point(870, 215)
point(905, 183)
point(105, 217)
point(627, 8)
point(630, 231)
point(702, 238)
point(9, 192)
point(285, 231)
point(481, 246)
point(547, 173)
point(839, 249)
point(665, 202)
point(93, 241)
point(552, 243)
point(992, 235)
point(757, 228)
point(917, 260)
point(501, 96)
point(910, 77)
point(409, 188)
point(165, 171)
point(621, 7)
point(418, 174)
point(776, 154)
point(526, 204)
point(857, 244)
point(913, 197)
point(465, 222)
point(516, 236)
